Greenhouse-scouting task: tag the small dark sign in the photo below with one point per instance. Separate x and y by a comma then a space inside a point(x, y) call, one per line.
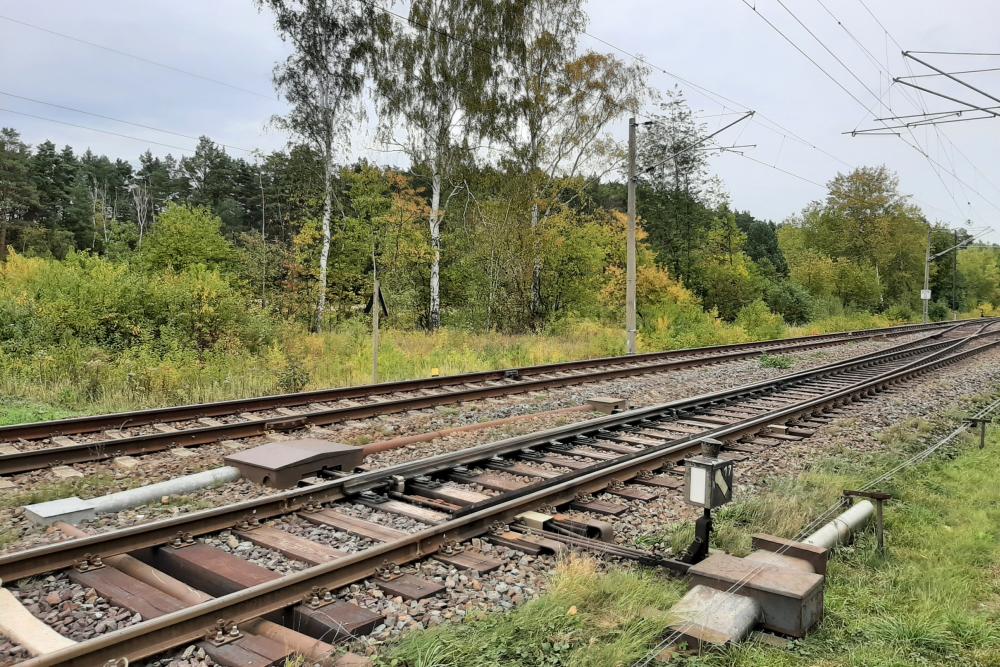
point(381, 301)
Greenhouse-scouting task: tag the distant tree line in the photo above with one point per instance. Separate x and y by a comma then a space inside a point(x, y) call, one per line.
point(509, 217)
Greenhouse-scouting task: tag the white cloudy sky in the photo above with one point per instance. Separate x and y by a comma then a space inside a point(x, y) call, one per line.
point(721, 45)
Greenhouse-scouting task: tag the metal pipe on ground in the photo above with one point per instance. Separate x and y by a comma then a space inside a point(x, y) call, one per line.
point(841, 528)
point(115, 502)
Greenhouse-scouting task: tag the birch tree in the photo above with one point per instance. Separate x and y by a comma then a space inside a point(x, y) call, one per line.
point(547, 44)
point(336, 46)
point(443, 94)
point(561, 103)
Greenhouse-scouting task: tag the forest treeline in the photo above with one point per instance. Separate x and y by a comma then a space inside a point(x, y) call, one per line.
point(508, 219)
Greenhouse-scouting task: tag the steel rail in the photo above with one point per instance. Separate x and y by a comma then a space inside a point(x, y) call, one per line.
point(702, 355)
point(189, 624)
point(65, 553)
point(37, 459)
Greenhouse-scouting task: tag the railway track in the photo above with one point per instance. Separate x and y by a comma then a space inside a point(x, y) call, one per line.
point(630, 456)
point(35, 446)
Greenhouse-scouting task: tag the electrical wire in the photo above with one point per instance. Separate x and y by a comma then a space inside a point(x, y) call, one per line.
point(94, 129)
point(116, 120)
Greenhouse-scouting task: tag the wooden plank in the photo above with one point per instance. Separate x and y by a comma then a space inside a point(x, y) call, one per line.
point(632, 493)
point(242, 653)
point(210, 569)
point(335, 621)
point(599, 507)
point(616, 446)
point(128, 592)
point(743, 447)
point(452, 494)
point(470, 559)
point(579, 451)
point(410, 587)
point(293, 546)
point(552, 459)
point(531, 471)
point(496, 482)
point(708, 423)
point(661, 482)
point(354, 525)
point(422, 514)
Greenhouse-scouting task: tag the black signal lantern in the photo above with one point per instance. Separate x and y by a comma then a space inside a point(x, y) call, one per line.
point(708, 484)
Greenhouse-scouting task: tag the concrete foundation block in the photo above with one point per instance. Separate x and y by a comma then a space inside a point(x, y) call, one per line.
point(71, 510)
point(7, 485)
point(65, 472)
point(709, 616)
point(791, 600)
point(607, 404)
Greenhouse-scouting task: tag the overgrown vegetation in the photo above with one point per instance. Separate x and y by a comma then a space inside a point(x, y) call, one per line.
point(933, 601)
point(163, 279)
point(586, 618)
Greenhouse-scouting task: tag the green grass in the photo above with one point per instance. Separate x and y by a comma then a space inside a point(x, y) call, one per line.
point(587, 618)
point(19, 411)
point(76, 379)
point(776, 361)
point(934, 601)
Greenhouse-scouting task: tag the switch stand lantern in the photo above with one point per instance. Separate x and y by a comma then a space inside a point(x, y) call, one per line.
point(708, 484)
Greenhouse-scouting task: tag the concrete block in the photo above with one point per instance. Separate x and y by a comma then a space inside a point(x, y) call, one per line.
point(71, 510)
point(791, 600)
point(7, 485)
point(65, 472)
point(8, 449)
point(181, 452)
point(63, 441)
point(126, 462)
point(708, 616)
point(607, 404)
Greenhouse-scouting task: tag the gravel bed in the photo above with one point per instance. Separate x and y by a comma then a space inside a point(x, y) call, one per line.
point(520, 578)
point(332, 537)
point(190, 656)
point(72, 610)
point(250, 552)
point(389, 519)
point(862, 427)
point(11, 653)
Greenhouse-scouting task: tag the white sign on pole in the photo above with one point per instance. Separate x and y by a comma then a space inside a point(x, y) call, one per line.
point(925, 295)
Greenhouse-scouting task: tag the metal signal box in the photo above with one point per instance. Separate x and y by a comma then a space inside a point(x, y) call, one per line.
point(708, 481)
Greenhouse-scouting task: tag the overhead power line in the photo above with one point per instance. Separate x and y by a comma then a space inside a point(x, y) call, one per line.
point(715, 96)
point(935, 164)
point(142, 59)
point(94, 129)
point(116, 120)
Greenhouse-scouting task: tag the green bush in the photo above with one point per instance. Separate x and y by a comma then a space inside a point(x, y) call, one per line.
point(759, 322)
point(186, 236)
point(790, 300)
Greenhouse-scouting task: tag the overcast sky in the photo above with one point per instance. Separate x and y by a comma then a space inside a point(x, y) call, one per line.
point(721, 45)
